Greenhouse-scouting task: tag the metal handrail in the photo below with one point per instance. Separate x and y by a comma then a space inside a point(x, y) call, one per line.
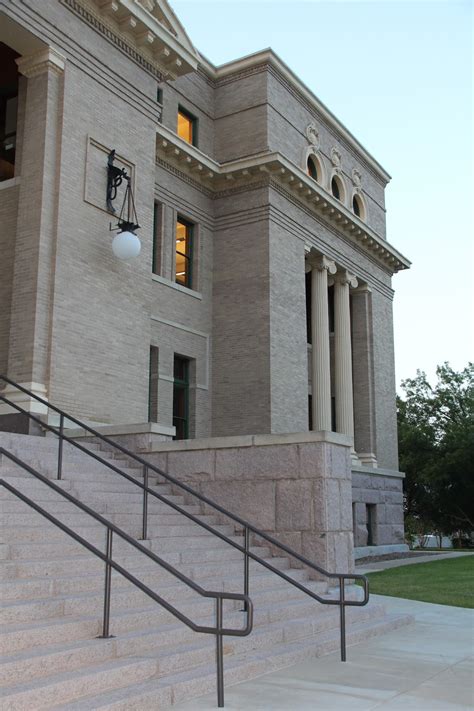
point(342, 602)
point(219, 597)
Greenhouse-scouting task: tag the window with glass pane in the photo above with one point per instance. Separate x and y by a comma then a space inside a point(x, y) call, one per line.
point(187, 125)
point(181, 397)
point(184, 252)
point(8, 111)
point(157, 237)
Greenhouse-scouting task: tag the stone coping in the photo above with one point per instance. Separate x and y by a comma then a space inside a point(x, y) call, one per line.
point(375, 471)
point(251, 441)
point(368, 551)
point(116, 430)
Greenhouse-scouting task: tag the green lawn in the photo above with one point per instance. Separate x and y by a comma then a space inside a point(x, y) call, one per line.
point(445, 582)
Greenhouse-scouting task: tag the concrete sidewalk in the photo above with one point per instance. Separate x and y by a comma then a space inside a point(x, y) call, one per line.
point(397, 562)
point(427, 666)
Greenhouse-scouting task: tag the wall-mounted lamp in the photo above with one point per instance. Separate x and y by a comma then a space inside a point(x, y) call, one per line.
point(125, 244)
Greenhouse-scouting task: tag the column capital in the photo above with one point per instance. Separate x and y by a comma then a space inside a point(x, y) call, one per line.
point(46, 60)
point(321, 262)
point(344, 277)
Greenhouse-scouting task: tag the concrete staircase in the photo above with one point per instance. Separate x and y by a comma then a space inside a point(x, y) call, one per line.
point(52, 593)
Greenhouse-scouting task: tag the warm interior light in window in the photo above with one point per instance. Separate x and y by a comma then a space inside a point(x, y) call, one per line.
point(185, 127)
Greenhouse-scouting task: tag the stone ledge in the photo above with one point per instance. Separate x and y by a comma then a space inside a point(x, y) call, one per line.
point(372, 471)
point(369, 551)
point(251, 441)
point(119, 430)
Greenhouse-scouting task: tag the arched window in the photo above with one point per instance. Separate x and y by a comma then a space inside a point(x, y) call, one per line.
point(337, 188)
point(312, 169)
point(358, 206)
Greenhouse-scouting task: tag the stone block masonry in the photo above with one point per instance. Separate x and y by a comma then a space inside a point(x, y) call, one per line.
point(294, 487)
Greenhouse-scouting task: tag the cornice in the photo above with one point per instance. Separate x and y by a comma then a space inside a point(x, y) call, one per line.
point(247, 172)
point(146, 30)
point(253, 62)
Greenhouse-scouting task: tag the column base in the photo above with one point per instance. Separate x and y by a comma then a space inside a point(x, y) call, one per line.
point(26, 402)
point(367, 459)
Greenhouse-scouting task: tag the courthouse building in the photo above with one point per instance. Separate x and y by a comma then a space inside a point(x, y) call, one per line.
point(260, 303)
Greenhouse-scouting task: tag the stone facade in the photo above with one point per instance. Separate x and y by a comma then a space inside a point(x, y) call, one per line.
point(77, 325)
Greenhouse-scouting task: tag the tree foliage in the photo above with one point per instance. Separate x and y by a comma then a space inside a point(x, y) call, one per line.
point(436, 442)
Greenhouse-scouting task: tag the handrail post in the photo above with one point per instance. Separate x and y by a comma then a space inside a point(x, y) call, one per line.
point(145, 503)
point(60, 446)
point(108, 584)
point(219, 654)
point(342, 610)
point(246, 563)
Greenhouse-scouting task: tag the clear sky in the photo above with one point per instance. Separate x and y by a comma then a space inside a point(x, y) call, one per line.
point(399, 76)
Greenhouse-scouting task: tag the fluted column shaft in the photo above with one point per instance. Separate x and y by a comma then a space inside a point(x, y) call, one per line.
point(343, 353)
point(320, 360)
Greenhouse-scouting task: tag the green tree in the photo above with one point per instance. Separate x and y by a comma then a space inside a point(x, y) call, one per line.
point(436, 442)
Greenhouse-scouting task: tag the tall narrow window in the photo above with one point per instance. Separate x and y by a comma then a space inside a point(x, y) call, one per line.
point(187, 126)
point(153, 386)
point(8, 111)
point(157, 237)
point(308, 307)
point(181, 397)
point(370, 523)
point(184, 253)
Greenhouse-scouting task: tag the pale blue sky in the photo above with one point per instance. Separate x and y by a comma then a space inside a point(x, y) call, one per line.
point(399, 76)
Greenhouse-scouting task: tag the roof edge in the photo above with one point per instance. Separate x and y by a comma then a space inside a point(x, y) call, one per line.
point(268, 55)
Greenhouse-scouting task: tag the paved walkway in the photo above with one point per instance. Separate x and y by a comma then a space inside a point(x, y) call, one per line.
point(396, 562)
point(426, 666)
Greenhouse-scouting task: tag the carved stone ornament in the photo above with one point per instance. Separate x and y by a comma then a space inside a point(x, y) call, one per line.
point(357, 180)
point(336, 159)
point(312, 134)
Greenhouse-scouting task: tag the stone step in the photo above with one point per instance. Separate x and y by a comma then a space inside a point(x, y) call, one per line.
point(158, 524)
point(48, 533)
point(11, 504)
point(87, 471)
point(196, 569)
point(47, 587)
point(165, 644)
point(65, 686)
point(116, 488)
point(175, 688)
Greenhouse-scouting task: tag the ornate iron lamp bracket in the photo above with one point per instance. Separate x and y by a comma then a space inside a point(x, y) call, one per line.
point(115, 178)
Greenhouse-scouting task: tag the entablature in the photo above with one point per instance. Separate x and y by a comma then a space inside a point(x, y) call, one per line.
point(219, 177)
point(148, 28)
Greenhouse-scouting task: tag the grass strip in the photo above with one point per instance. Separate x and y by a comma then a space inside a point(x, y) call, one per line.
point(444, 582)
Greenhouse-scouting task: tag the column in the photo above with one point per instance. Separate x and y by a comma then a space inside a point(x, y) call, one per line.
point(363, 375)
point(33, 269)
point(320, 359)
point(343, 353)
